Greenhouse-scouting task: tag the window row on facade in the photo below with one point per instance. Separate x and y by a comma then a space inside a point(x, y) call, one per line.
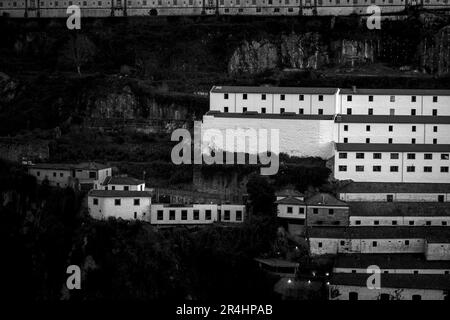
point(395, 222)
point(395, 156)
point(377, 168)
point(171, 215)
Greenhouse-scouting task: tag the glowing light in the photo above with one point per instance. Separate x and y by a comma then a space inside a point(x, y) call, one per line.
point(289, 281)
point(327, 274)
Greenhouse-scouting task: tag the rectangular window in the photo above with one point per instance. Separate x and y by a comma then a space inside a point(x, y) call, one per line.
point(434, 112)
point(244, 96)
point(367, 128)
point(349, 98)
point(263, 97)
point(411, 156)
point(225, 109)
point(394, 156)
point(342, 168)
point(282, 97)
point(315, 211)
point(160, 215)
point(301, 97)
point(413, 112)
point(208, 215)
point(391, 128)
point(390, 140)
point(427, 169)
point(345, 127)
point(376, 168)
point(358, 222)
point(244, 109)
point(117, 202)
point(413, 98)
point(342, 155)
point(126, 188)
point(435, 128)
point(374, 243)
point(225, 96)
point(367, 140)
point(184, 214)
point(301, 210)
point(394, 168)
point(263, 110)
point(370, 98)
point(444, 169)
point(394, 222)
point(320, 111)
point(413, 141)
point(171, 214)
point(413, 128)
point(330, 212)
point(377, 155)
point(281, 110)
point(137, 202)
point(95, 201)
point(435, 99)
point(226, 215)
point(376, 222)
point(444, 156)
point(370, 112)
point(289, 209)
point(410, 169)
point(434, 141)
point(301, 111)
point(359, 155)
point(359, 168)
point(196, 215)
point(239, 215)
point(389, 198)
point(428, 156)
point(441, 198)
point(61, 174)
point(320, 97)
point(392, 99)
point(349, 110)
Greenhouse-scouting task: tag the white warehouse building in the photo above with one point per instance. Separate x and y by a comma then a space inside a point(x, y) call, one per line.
point(403, 134)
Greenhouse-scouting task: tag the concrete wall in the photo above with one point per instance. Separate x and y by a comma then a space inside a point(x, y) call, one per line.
point(397, 271)
point(316, 135)
point(56, 178)
point(397, 197)
point(126, 210)
point(308, 103)
point(319, 246)
point(402, 105)
point(298, 211)
point(385, 175)
point(400, 221)
point(401, 132)
point(437, 251)
point(339, 216)
point(365, 293)
point(83, 175)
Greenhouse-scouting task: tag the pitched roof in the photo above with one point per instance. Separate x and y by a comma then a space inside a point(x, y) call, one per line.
point(391, 280)
point(290, 200)
point(52, 166)
point(122, 181)
point(91, 166)
point(274, 90)
point(325, 199)
point(396, 92)
point(395, 187)
point(70, 166)
point(388, 261)
point(284, 116)
point(119, 194)
point(289, 193)
point(357, 118)
point(435, 234)
point(400, 209)
point(392, 147)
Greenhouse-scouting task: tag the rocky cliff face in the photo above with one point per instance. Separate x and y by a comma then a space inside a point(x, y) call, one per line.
point(435, 53)
point(300, 51)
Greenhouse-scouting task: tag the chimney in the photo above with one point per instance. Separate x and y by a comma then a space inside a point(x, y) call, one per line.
point(354, 89)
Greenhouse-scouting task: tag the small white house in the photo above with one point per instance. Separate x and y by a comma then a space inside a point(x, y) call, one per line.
point(65, 174)
point(129, 205)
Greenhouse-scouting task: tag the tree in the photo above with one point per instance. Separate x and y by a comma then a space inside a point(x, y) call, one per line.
point(261, 195)
point(79, 50)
